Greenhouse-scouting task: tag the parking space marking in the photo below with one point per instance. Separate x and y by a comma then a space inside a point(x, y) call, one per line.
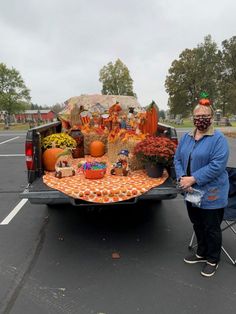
point(13, 155)
point(14, 212)
point(11, 139)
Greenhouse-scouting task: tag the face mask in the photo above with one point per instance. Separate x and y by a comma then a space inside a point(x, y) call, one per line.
point(202, 123)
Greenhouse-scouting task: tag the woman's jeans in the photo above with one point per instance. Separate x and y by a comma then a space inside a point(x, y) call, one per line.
point(206, 225)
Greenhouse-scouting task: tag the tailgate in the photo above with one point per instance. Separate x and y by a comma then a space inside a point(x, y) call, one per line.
point(40, 193)
point(165, 191)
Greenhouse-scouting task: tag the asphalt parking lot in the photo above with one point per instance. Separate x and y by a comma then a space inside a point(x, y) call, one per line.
point(60, 259)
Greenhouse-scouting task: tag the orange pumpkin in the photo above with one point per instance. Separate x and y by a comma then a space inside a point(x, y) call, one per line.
point(97, 149)
point(204, 102)
point(50, 156)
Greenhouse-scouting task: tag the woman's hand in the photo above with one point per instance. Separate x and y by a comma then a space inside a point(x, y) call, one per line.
point(186, 182)
point(190, 190)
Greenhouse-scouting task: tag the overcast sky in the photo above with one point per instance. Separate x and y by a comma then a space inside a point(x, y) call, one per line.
point(59, 46)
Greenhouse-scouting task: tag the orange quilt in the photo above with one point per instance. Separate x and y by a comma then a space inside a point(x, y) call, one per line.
point(109, 189)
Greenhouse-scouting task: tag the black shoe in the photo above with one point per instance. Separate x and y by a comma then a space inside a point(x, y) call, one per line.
point(209, 269)
point(193, 259)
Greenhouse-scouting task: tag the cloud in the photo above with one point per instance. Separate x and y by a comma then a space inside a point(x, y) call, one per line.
point(59, 46)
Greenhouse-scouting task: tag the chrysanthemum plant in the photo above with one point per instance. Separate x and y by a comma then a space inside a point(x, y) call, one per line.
point(155, 149)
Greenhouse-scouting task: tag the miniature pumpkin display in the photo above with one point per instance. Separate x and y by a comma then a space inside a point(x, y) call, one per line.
point(97, 149)
point(50, 156)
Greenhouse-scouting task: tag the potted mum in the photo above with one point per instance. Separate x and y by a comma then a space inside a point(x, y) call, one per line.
point(156, 153)
point(60, 140)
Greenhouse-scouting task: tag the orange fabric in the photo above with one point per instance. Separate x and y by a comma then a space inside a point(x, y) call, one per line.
point(109, 189)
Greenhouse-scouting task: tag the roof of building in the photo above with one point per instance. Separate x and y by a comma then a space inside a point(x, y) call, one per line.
point(35, 111)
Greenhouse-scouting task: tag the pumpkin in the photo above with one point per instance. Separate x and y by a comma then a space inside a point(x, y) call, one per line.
point(50, 156)
point(204, 102)
point(97, 148)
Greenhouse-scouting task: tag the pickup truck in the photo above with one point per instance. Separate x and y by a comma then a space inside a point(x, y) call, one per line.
point(39, 193)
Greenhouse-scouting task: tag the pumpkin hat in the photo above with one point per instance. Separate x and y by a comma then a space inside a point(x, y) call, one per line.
point(204, 99)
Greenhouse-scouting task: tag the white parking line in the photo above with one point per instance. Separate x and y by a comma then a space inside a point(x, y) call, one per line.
point(11, 139)
point(13, 155)
point(14, 212)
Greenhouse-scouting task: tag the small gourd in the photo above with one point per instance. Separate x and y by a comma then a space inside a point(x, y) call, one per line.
point(97, 149)
point(49, 158)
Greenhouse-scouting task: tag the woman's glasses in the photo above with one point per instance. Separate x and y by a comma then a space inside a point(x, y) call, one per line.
point(202, 116)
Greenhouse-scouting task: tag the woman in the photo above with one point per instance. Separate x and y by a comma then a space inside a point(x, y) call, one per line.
point(200, 162)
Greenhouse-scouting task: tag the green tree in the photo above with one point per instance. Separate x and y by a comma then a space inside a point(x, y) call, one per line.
point(116, 79)
point(227, 80)
point(196, 70)
point(162, 114)
point(58, 107)
point(36, 107)
point(14, 95)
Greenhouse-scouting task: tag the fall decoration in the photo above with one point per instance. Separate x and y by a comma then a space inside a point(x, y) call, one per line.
point(155, 149)
point(49, 158)
point(113, 149)
point(124, 139)
point(109, 189)
point(142, 117)
point(64, 160)
point(59, 140)
point(63, 165)
point(121, 166)
point(151, 119)
point(93, 136)
point(77, 135)
point(94, 170)
point(97, 149)
point(115, 108)
point(204, 101)
point(124, 135)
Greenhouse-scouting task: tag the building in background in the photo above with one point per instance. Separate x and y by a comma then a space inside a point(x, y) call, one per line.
point(38, 115)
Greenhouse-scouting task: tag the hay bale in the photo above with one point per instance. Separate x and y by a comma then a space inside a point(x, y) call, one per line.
point(93, 136)
point(113, 148)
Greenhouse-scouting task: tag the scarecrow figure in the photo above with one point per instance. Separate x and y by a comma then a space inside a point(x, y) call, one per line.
point(121, 166)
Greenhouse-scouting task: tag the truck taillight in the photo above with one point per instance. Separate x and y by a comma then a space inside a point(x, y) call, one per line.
point(29, 155)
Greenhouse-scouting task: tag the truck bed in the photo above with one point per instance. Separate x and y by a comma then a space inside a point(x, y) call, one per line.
point(40, 193)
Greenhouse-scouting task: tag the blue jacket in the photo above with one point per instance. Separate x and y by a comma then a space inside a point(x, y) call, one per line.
point(208, 162)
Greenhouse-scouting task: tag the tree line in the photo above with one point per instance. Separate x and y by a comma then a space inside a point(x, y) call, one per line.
point(203, 68)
